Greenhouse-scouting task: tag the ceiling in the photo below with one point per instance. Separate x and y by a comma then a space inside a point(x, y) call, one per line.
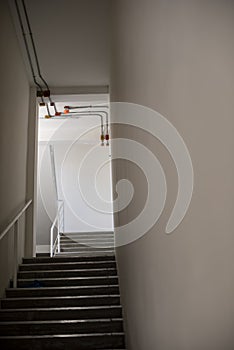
point(72, 40)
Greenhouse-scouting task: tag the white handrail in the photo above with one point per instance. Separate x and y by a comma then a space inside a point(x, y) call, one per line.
point(16, 218)
point(56, 245)
point(15, 222)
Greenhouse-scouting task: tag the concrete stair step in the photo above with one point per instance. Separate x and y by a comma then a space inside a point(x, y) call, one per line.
point(67, 273)
point(43, 255)
point(61, 291)
point(87, 237)
point(68, 281)
point(87, 241)
point(88, 234)
point(61, 327)
point(69, 301)
point(85, 254)
point(71, 342)
point(60, 259)
point(89, 245)
point(68, 266)
point(83, 248)
point(62, 313)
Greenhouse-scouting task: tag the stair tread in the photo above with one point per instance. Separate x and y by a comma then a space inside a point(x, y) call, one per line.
point(63, 308)
point(72, 270)
point(61, 313)
point(89, 245)
point(64, 288)
point(71, 263)
point(82, 247)
point(63, 291)
point(63, 335)
point(55, 257)
point(68, 281)
point(88, 233)
point(80, 311)
point(68, 258)
point(88, 238)
point(68, 278)
point(78, 253)
point(64, 297)
point(98, 320)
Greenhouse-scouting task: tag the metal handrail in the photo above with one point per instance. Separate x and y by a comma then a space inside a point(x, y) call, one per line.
point(55, 246)
point(15, 223)
point(16, 218)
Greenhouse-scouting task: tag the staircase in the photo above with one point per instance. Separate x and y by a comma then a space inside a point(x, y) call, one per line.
point(83, 244)
point(65, 302)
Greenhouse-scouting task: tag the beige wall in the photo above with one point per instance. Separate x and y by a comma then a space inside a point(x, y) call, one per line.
point(14, 95)
point(177, 58)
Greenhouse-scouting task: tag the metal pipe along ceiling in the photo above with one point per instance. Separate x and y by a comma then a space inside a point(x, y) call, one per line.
point(77, 115)
point(42, 93)
point(46, 93)
point(68, 108)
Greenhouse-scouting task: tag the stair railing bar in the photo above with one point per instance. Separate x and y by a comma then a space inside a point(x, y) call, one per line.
point(15, 224)
point(61, 229)
point(59, 218)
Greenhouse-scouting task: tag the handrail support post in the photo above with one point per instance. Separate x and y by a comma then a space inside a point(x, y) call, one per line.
point(58, 242)
point(59, 227)
point(16, 231)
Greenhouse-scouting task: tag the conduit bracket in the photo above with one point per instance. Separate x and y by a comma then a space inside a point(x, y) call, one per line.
point(43, 93)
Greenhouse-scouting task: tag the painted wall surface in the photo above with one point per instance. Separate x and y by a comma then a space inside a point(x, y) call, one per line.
point(72, 40)
point(177, 58)
point(14, 95)
point(72, 141)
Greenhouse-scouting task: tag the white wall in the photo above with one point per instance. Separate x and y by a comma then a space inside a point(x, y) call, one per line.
point(177, 58)
point(14, 96)
point(72, 141)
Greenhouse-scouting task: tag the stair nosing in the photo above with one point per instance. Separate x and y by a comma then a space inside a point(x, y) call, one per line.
point(64, 287)
point(63, 297)
point(57, 257)
point(63, 335)
point(62, 308)
point(72, 263)
point(66, 278)
point(72, 270)
point(67, 321)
